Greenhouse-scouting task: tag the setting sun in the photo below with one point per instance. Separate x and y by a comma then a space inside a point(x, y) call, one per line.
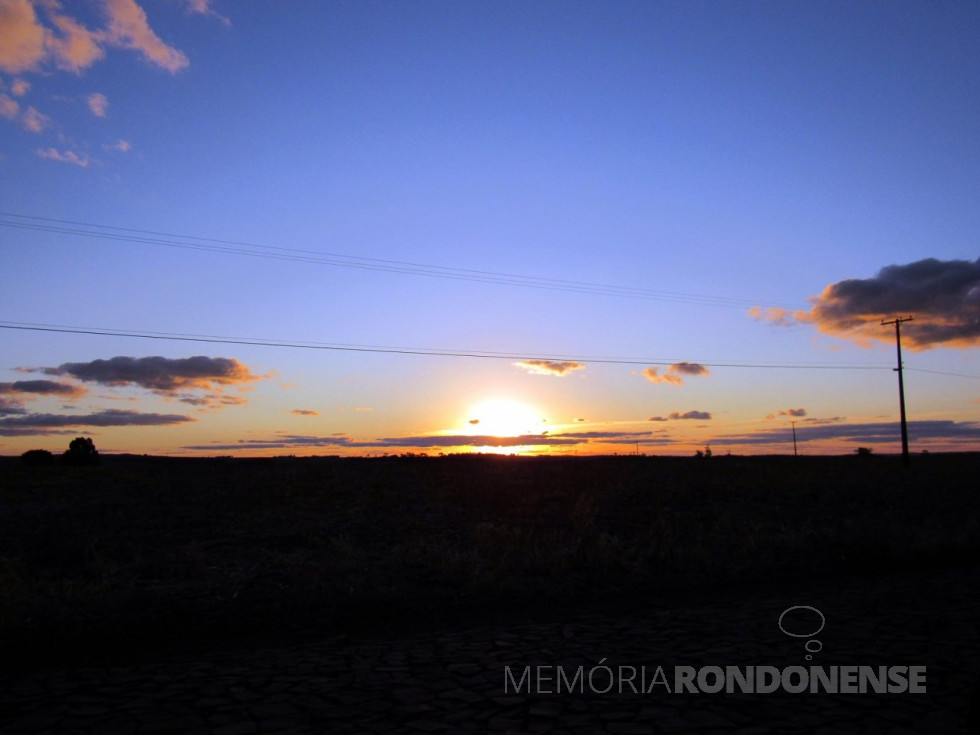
point(504, 417)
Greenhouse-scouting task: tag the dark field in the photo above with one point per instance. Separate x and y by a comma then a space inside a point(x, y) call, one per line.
point(140, 555)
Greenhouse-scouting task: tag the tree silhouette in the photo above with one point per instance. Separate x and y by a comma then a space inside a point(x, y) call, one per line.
point(81, 451)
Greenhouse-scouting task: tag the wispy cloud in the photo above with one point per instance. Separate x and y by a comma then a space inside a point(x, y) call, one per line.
point(777, 316)
point(212, 401)
point(29, 118)
point(71, 157)
point(203, 7)
point(120, 146)
point(9, 107)
point(549, 367)
point(674, 374)
point(34, 121)
point(304, 412)
point(943, 296)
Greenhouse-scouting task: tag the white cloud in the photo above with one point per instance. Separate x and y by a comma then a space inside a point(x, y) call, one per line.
point(29, 41)
point(129, 28)
point(98, 103)
point(21, 37)
point(674, 373)
point(549, 367)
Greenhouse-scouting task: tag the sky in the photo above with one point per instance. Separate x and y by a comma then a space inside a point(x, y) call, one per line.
point(365, 228)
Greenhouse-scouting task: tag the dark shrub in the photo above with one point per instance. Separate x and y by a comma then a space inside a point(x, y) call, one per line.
point(37, 457)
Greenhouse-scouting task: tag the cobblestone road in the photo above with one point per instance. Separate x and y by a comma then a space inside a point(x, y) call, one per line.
point(455, 680)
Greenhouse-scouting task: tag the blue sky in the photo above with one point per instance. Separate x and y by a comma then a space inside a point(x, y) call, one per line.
point(778, 155)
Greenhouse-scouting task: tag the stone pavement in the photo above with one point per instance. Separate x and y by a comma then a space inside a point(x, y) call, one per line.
point(449, 681)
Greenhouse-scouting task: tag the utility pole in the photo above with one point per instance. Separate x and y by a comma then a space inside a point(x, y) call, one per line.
point(901, 384)
point(794, 438)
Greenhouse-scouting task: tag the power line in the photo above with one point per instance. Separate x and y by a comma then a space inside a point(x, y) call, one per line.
point(944, 372)
point(233, 247)
point(432, 352)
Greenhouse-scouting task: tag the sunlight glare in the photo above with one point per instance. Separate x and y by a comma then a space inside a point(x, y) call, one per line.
point(504, 417)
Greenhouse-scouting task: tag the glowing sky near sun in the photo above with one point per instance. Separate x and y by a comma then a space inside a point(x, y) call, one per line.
point(636, 227)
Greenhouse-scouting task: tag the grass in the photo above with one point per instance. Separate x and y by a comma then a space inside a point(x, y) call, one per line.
point(143, 554)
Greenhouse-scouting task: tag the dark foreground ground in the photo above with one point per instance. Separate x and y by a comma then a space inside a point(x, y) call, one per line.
point(322, 595)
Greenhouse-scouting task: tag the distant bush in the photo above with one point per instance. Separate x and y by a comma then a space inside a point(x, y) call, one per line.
point(81, 451)
point(37, 457)
point(864, 451)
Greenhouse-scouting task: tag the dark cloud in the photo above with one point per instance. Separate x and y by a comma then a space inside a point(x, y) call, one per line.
point(689, 368)
point(453, 440)
point(649, 441)
point(943, 296)
point(604, 434)
point(286, 441)
point(700, 415)
point(474, 421)
point(794, 412)
point(194, 400)
point(675, 416)
point(304, 412)
point(549, 367)
point(463, 440)
point(860, 433)
point(10, 407)
point(43, 387)
point(160, 374)
point(457, 440)
point(674, 374)
point(42, 423)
